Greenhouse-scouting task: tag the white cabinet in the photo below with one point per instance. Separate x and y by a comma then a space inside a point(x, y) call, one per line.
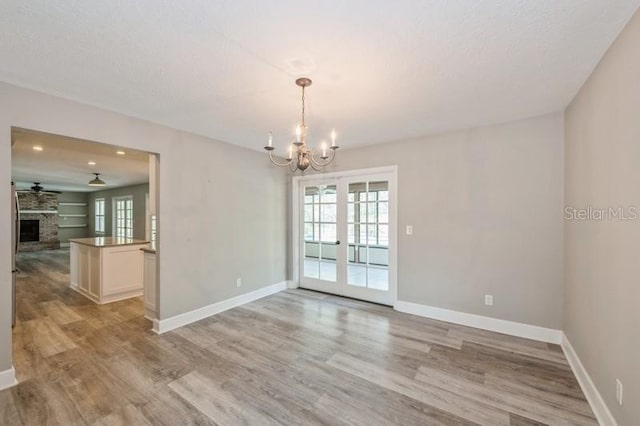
point(150, 285)
point(105, 270)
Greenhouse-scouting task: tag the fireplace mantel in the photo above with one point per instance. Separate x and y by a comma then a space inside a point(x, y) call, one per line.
point(39, 212)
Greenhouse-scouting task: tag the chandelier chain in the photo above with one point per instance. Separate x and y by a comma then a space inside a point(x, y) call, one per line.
point(303, 107)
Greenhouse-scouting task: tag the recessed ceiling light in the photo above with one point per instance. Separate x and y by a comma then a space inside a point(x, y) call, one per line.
point(37, 148)
point(92, 163)
point(120, 152)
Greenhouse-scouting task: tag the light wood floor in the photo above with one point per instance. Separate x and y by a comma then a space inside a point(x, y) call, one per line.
point(297, 357)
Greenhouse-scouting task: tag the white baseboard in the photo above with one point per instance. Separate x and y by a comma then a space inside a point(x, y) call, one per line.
point(600, 409)
point(527, 331)
point(292, 284)
point(162, 326)
point(8, 378)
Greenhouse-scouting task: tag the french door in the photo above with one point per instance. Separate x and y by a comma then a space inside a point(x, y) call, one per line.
point(347, 235)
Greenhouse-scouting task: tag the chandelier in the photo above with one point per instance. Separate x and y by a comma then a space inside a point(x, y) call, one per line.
point(300, 157)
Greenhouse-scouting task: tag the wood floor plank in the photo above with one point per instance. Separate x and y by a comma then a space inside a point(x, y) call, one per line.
point(523, 421)
point(59, 312)
point(502, 399)
point(42, 402)
point(127, 415)
point(48, 337)
point(215, 402)
point(441, 398)
point(93, 395)
point(8, 411)
point(509, 344)
point(295, 357)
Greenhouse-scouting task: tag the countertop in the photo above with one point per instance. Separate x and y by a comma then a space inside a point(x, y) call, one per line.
point(107, 241)
point(150, 249)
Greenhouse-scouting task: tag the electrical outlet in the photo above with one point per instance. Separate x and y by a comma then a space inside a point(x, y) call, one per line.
point(238, 282)
point(619, 391)
point(409, 229)
point(488, 300)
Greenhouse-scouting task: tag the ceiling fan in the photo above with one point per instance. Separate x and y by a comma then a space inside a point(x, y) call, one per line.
point(38, 189)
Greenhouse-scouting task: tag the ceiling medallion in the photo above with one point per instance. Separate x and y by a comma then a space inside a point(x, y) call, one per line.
point(300, 157)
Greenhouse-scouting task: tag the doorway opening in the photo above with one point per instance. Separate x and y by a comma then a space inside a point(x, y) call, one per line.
point(84, 256)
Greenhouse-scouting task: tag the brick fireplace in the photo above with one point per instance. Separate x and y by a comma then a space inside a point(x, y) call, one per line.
point(39, 220)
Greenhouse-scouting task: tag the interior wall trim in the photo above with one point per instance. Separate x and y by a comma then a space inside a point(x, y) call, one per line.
point(168, 324)
point(528, 331)
point(599, 407)
point(8, 378)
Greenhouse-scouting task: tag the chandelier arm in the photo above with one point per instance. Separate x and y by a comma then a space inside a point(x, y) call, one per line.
point(314, 166)
point(322, 163)
point(276, 163)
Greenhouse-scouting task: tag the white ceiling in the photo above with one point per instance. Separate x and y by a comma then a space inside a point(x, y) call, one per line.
point(383, 70)
point(62, 165)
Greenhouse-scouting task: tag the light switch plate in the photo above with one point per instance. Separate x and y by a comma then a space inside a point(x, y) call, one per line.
point(409, 229)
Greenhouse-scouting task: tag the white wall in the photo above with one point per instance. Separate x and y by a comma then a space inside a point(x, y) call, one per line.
point(222, 209)
point(602, 310)
point(486, 207)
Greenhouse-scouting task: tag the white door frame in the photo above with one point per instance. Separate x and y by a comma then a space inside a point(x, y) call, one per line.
point(393, 224)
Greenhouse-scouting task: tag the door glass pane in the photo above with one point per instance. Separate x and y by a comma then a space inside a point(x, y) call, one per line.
point(308, 213)
point(328, 194)
point(357, 275)
point(383, 235)
point(372, 212)
point(362, 207)
point(378, 278)
point(383, 212)
point(368, 232)
point(328, 232)
point(308, 231)
point(328, 213)
point(351, 233)
point(320, 232)
point(372, 233)
point(351, 213)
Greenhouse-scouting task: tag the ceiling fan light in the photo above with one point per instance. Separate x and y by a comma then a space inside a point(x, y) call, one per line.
point(97, 181)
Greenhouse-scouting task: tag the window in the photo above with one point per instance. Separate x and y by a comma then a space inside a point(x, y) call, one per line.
point(123, 217)
point(99, 213)
point(153, 229)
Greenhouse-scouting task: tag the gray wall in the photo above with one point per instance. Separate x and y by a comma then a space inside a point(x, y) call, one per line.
point(222, 208)
point(486, 207)
point(139, 193)
point(65, 233)
point(602, 152)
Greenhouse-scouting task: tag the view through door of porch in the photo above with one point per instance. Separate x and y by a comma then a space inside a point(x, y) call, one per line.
point(347, 230)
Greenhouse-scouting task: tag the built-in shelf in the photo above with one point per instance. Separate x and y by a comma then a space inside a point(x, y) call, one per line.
point(38, 211)
point(84, 225)
point(72, 215)
point(72, 204)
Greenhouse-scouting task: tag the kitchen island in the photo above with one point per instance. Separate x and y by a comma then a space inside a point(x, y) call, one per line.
point(107, 269)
